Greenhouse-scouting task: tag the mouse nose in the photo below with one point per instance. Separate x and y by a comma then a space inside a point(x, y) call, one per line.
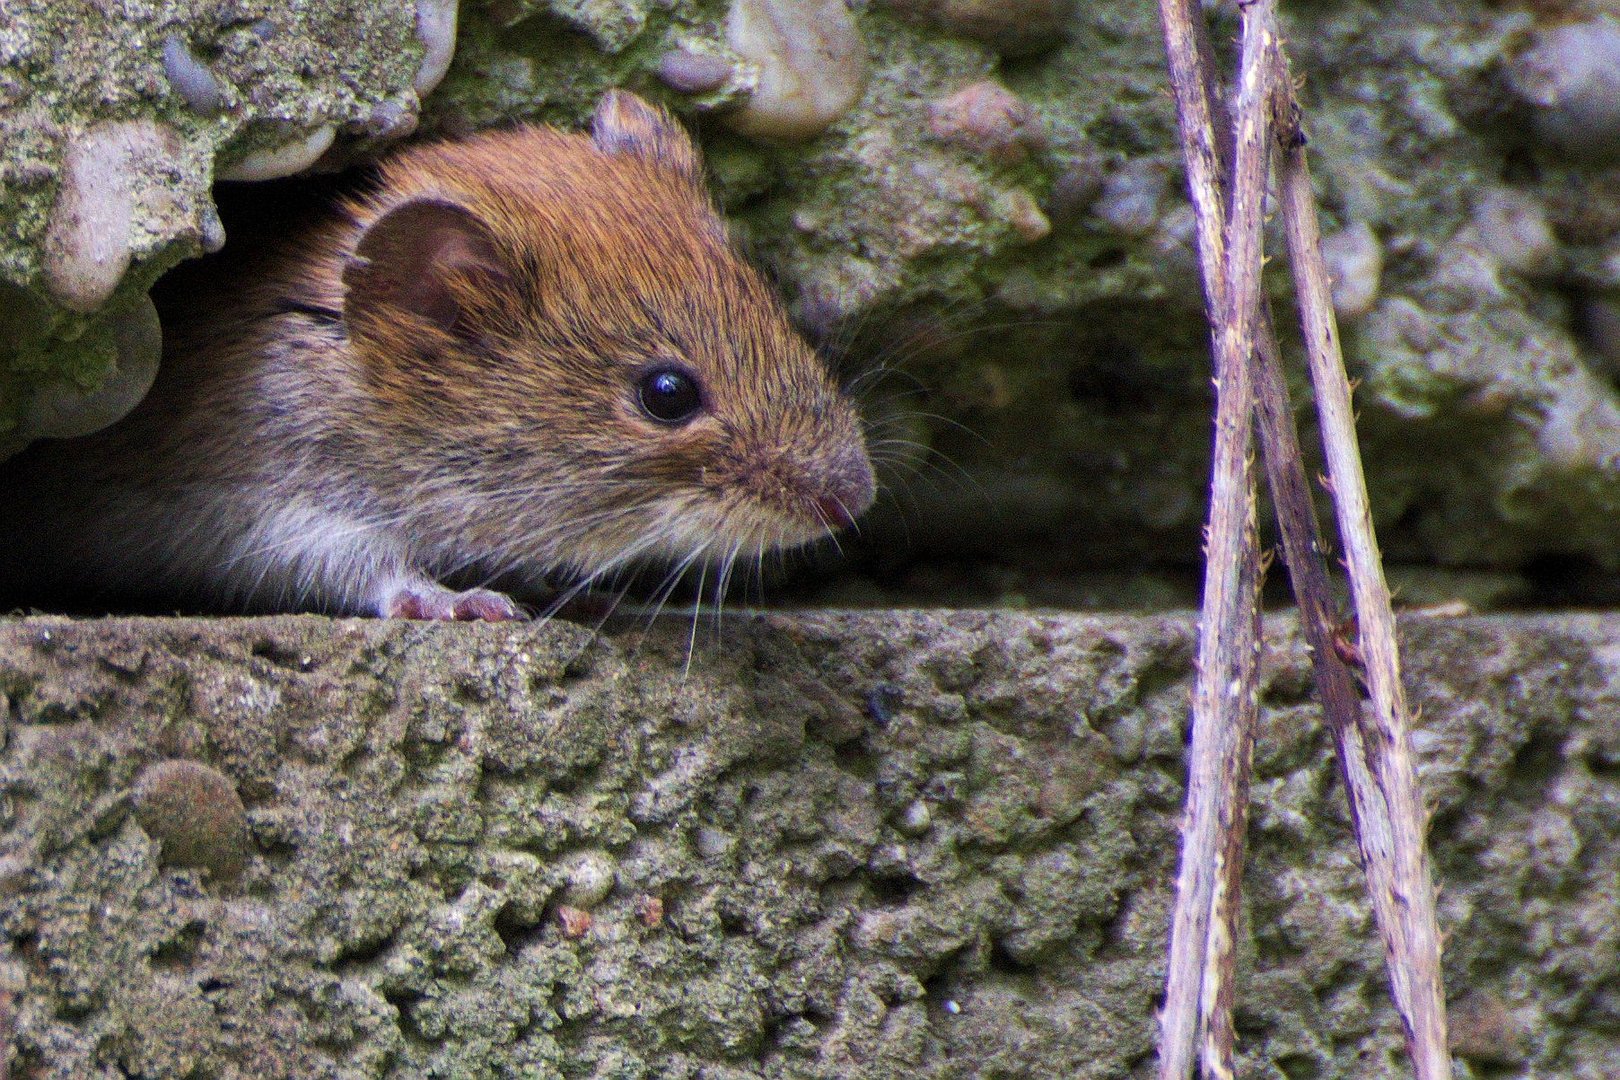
point(833, 512)
point(849, 491)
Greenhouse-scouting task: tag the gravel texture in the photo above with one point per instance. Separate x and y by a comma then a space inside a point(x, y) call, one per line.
point(997, 213)
point(833, 845)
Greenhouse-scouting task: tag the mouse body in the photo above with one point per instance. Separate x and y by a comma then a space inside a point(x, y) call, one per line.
point(526, 356)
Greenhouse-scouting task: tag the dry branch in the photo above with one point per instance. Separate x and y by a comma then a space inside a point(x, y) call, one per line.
point(1406, 915)
point(1199, 984)
point(1304, 554)
point(1387, 847)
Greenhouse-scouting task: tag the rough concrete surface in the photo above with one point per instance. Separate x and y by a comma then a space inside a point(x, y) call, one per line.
point(838, 845)
point(994, 202)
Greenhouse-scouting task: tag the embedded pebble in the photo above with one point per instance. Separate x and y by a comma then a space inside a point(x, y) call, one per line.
point(1355, 262)
point(916, 819)
point(283, 160)
point(712, 842)
point(1570, 78)
point(212, 229)
point(116, 180)
point(989, 119)
point(650, 910)
point(1128, 737)
point(810, 61)
point(693, 72)
point(1019, 209)
point(1011, 27)
point(590, 877)
point(61, 412)
point(191, 78)
point(436, 30)
point(193, 811)
point(574, 922)
point(1512, 226)
point(394, 118)
point(883, 699)
point(1130, 198)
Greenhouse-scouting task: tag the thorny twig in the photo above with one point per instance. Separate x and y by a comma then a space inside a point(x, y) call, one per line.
point(1304, 552)
point(1408, 932)
point(1303, 549)
point(1225, 691)
point(1406, 915)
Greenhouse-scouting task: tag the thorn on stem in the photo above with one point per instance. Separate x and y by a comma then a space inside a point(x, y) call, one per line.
point(1345, 644)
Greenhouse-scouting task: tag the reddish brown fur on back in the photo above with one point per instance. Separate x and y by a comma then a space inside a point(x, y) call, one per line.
point(592, 241)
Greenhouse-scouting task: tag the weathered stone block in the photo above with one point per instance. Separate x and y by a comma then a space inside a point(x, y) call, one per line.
point(835, 845)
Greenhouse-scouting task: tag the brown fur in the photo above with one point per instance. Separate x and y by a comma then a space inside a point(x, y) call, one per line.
point(451, 391)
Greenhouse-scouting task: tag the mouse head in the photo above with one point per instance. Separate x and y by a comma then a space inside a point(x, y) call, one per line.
point(559, 329)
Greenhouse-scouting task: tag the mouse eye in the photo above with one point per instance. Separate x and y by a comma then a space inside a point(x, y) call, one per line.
point(669, 395)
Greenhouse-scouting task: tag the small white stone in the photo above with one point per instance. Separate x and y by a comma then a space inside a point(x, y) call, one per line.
point(591, 877)
point(115, 181)
point(712, 842)
point(915, 819)
point(436, 30)
point(1019, 209)
point(213, 229)
point(283, 160)
point(810, 63)
point(191, 78)
point(395, 118)
point(1355, 262)
point(1513, 227)
point(692, 71)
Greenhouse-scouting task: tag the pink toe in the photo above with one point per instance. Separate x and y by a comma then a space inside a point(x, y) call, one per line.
point(407, 605)
point(481, 605)
point(431, 601)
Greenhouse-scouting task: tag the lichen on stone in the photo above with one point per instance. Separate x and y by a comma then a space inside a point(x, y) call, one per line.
point(921, 844)
point(997, 198)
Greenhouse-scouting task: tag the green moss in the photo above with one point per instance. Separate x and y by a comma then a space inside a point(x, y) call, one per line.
point(390, 921)
point(878, 224)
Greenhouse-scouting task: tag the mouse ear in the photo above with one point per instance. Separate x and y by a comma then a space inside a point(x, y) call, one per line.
point(627, 124)
point(412, 259)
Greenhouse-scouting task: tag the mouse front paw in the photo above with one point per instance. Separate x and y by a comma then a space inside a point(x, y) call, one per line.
point(426, 600)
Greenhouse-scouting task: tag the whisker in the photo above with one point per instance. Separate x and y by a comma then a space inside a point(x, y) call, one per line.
point(697, 608)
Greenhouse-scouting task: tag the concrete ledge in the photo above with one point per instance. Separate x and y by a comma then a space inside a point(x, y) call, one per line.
point(874, 845)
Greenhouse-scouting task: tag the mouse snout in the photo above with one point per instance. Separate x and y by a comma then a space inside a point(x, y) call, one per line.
point(811, 490)
point(848, 492)
point(831, 507)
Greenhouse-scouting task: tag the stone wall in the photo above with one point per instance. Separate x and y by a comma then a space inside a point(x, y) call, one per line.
point(984, 193)
point(829, 845)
